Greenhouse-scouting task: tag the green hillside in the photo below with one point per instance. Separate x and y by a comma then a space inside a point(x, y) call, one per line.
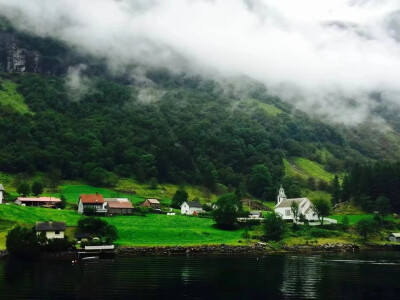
point(9, 97)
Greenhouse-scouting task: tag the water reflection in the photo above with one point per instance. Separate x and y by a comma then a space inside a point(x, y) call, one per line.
point(279, 276)
point(301, 275)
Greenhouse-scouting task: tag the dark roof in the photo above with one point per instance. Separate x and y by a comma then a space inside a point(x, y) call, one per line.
point(194, 204)
point(92, 199)
point(81, 235)
point(50, 226)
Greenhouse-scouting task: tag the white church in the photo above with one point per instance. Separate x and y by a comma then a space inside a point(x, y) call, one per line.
point(283, 207)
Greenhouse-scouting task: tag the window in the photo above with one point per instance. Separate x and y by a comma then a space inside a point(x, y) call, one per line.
point(287, 212)
point(57, 232)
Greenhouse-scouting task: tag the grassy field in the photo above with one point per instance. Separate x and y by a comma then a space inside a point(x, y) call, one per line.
point(312, 169)
point(154, 230)
point(291, 171)
point(30, 215)
point(11, 98)
point(151, 230)
point(353, 219)
point(268, 108)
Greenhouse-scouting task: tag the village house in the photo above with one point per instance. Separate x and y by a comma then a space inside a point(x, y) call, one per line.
point(255, 215)
point(191, 208)
point(283, 207)
point(1, 193)
point(53, 230)
point(48, 202)
point(151, 202)
point(82, 237)
point(118, 206)
point(394, 237)
point(95, 202)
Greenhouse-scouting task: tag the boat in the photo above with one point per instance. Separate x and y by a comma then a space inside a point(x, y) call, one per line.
point(90, 258)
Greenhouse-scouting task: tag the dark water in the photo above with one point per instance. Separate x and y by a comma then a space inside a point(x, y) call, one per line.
point(372, 275)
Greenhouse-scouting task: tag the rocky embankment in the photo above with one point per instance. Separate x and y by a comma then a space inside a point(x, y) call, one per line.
point(226, 249)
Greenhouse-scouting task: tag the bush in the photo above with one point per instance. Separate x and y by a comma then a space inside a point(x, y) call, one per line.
point(23, 189)
point(274, 227)
point(365, 228)
point(23, 243)
point(57, 245)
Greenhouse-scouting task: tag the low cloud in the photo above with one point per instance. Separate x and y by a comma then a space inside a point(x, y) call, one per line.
point(324, 57)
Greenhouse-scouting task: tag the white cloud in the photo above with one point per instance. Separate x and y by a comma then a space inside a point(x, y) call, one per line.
point(316, 54)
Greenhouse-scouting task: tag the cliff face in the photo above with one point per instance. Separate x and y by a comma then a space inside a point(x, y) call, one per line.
point(14, 57)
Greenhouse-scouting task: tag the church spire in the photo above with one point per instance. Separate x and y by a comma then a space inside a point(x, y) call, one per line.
point(281, 195)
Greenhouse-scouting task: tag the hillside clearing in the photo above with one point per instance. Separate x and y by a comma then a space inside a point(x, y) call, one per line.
point(11, 98)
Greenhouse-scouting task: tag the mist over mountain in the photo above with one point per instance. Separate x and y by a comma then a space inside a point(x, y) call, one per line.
point(329, 61)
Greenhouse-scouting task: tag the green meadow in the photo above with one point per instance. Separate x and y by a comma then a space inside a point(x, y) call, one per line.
point(149, 230)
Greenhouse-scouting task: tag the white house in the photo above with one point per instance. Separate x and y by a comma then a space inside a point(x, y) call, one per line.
point(283, 207)
point(1, 193)
point(190, 208)
point(96, 202)
point(53, 230)
point(394, 237)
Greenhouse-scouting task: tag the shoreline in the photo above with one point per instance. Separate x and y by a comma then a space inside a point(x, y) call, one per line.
point(126, 251)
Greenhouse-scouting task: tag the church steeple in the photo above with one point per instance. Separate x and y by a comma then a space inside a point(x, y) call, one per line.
point(281, 195)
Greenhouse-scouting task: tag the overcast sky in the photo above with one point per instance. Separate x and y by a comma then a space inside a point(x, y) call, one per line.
point(318, 54)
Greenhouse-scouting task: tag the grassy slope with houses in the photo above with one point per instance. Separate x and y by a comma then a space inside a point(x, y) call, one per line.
point(158, 230)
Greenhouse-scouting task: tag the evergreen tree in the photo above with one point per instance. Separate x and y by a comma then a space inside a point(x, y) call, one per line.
point(336, 192)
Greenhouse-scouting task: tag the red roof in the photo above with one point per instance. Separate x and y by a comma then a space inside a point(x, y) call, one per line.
point(116, 204)
point(38, 199)
point(92, 199)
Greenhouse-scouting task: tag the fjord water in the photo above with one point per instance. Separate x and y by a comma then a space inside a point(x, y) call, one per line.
point(370, 275)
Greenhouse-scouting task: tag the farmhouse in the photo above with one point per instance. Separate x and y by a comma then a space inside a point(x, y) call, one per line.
point(95, 202)
point(151, 202)
point(1, 193)
point(283, 207)
point(394, 237)
point(53, 230)
point(191, 208)
point(49, 202)
point(119, 207)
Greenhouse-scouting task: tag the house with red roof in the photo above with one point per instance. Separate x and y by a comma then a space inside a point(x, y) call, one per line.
point(95, 201)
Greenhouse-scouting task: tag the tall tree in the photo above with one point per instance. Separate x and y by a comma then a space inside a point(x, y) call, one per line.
point(322, 208)
point(336, 190)
point(227, 211)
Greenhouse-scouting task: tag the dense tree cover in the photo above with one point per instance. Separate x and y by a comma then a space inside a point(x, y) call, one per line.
point(191, 134)
point(37, 188)
point(374, 187)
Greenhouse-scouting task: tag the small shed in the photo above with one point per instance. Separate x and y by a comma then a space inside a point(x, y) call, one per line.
point(151, 202)
point(394, 237)
point(53, 230)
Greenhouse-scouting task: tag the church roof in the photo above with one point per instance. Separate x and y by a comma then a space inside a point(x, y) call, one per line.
point(288, 202)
